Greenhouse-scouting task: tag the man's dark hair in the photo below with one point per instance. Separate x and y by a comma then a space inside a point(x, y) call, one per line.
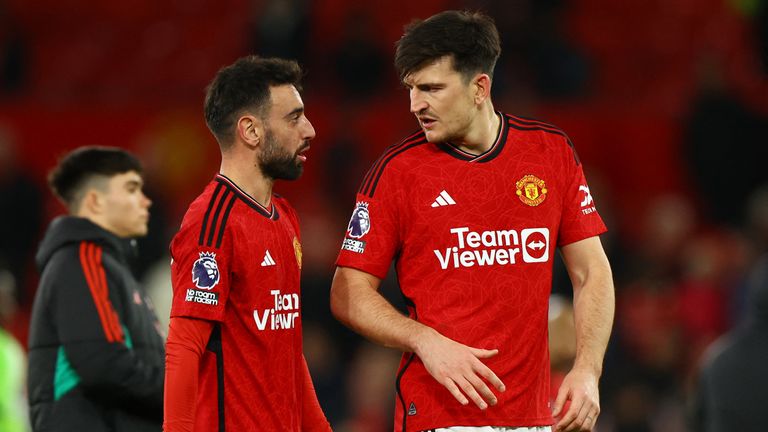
point(470, 38)
point(77, 168)
point(245, 86)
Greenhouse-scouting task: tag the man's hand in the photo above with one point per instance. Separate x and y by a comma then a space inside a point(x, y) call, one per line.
point(580, 387)
point(459, 369)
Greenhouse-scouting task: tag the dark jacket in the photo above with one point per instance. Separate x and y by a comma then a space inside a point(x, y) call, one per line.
point(96, 357)
point(730, 396)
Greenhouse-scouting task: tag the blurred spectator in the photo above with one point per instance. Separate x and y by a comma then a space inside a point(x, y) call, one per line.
point(19, 228)
point(757, 219)
point(359, 62)
point(281, 29)
point(560, 70)
point(13, 53)
point(761, 33)
point(13, 407)
point(730, 392)
point(724, 135)
point(370, 389)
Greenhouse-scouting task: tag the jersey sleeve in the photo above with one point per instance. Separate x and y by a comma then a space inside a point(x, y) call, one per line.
point(372, 238)
point(580, 219)
point(201, 262)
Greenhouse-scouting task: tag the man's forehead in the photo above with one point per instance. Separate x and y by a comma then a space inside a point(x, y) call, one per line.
point(284, 96)
point(128, 177)
point(437, 70)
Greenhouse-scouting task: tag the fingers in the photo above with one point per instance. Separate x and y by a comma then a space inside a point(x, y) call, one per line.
point(486, 372)
point(451, 386)
point(581, 416)
point(483, 353)
point(485, 392)
point(566, 423)
point(562, 396)
point(471, 384)
point(471, 392)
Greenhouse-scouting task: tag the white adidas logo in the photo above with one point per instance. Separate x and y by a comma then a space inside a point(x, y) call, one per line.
point(443, 200)
point(268, 261)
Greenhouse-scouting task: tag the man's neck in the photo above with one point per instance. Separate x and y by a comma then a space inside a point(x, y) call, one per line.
point(248, 177)
point(482, 133)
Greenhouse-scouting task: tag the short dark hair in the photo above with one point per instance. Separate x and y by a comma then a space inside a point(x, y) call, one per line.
point(470, 38)
point(81, 165)
point(245, 85)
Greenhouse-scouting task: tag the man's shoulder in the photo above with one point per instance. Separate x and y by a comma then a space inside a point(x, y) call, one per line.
point(397, 158)
point(532, 128)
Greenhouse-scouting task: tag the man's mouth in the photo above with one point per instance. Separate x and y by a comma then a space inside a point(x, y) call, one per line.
point(300, 154)
point(427, 122)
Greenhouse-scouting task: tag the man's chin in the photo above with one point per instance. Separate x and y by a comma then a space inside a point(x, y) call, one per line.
point(433, 136)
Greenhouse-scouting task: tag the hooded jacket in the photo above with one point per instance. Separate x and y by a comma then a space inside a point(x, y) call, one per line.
point(96, 358)
point(731, 388)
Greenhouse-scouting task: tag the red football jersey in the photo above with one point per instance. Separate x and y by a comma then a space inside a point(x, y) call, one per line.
point(473, 239)
point(237, 263)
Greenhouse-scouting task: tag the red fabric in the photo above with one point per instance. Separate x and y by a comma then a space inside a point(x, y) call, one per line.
point(187, 338)
point(238, 264)
point(475, 237)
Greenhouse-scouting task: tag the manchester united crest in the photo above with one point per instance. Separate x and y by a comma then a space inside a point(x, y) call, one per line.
point(531, 190)
point(297, 250)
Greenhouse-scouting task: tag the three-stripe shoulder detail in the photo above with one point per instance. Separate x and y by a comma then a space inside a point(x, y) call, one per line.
point(216, 216)
point(96, 279)
point(371, 179)
point(526, 124)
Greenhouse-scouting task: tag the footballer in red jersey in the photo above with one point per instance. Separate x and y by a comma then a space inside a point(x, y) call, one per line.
point(471, 209)
point(235, 360)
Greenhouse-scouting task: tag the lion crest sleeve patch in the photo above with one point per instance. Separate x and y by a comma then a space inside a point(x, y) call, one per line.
point(360, 223)
point(205, 271)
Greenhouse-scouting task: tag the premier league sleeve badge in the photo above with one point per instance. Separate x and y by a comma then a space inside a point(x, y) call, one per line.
point(205, 271)
point(360, 223)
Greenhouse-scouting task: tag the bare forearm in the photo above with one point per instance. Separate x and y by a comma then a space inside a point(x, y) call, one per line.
point(357, 303)
point(594, 304)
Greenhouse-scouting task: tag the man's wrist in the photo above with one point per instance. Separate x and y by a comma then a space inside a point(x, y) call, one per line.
point(418, 336)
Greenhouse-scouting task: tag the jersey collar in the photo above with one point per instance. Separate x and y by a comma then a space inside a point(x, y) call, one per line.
point(270, 213)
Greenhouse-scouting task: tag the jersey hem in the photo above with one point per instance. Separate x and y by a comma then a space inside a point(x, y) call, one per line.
point(535, 422)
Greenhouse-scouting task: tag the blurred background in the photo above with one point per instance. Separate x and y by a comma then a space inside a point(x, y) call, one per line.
point(665, 100)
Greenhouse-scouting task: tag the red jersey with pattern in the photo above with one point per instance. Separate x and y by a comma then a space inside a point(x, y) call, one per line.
point(237, 263)
point(473, 240)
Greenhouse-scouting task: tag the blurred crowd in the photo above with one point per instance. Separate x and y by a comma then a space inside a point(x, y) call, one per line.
point(666, 102)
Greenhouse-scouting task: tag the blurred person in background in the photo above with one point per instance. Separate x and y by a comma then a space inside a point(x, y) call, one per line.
point(235, 357)
point(95, 350)
point(13, 363)
point(20, 228)
point(730, 391)
point(472, 208)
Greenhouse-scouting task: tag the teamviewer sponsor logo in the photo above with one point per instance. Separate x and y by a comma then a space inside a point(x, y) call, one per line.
point(499, 247)
point(283, 315)
point(203, 297)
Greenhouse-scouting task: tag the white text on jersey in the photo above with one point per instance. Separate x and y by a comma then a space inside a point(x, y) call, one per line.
point(283, 316)
point(501, 247)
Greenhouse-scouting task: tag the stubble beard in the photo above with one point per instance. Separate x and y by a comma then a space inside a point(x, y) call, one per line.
point(277, 163)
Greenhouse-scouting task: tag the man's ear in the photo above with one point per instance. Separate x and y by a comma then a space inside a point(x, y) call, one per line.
point(250, 130)
point(92, 203)
point(482, 87)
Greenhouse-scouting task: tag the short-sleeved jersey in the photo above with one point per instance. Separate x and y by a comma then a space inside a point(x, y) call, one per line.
point(237, 264)
point(473, 239)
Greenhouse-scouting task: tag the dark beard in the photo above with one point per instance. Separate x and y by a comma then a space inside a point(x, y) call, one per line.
point(277, 163)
